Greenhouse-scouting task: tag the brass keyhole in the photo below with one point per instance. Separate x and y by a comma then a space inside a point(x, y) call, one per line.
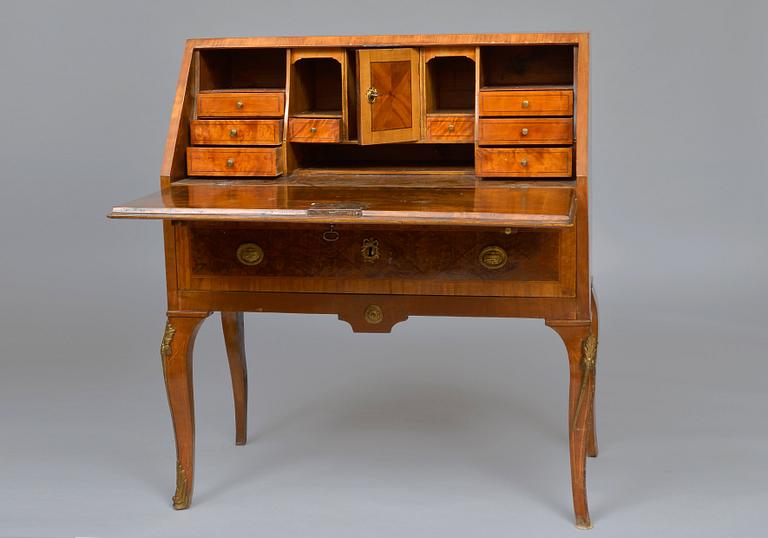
point(370, 250)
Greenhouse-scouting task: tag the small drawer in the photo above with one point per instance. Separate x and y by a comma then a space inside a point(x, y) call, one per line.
point(523, 162)
point(314, 130)
point(526, 103)
point(243, 132)
point(266, 162)
point(450, 129)
point(545, 131)
point(265, 104)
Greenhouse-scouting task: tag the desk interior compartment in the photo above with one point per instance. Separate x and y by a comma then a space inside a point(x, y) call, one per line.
point(511, 66)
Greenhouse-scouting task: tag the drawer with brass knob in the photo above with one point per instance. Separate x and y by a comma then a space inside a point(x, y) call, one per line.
point(359, 259)
point(239, 162)
point(236, 132)
point(241, 104)
point(506, 131)
point(523, 162)
point(498, 102)
point(447, 128)
point(314, 129)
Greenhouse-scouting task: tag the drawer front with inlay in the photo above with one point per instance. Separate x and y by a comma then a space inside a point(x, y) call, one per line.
point(266, 104)
point(450, 129)
point(236, 132)
point(526, 103)
point(497, 262)
point(314, 130)
point(266, 162)
point(544, 131)
point(523, 162)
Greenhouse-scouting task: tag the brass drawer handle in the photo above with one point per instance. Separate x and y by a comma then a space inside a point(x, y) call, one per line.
point(370, 250)
point(524, 131)
point(524, 163)
point(230, 163)
point(372, 94)
point(525, 103)
point(451, 127)
point(233, 133)
point(239, 105)
point(313, 130)
point(493, 257)
point(250, 254)
point(373, 314)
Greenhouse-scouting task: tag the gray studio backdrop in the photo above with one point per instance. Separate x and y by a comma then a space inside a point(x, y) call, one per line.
point(446, 427)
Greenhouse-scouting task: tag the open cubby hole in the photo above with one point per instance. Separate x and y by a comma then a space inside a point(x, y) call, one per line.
point(242, 69)
point(316, 88)
point(357, 158)
point(450, 85)
point(527, 65)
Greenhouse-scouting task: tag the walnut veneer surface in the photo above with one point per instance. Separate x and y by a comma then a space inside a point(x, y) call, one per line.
point(376, 178)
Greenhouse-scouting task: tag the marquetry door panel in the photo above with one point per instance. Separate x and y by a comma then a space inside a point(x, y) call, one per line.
point(389, 95)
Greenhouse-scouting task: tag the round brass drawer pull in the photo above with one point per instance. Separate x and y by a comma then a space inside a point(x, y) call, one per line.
point(373, 314)
point(524, 131)
point(313, 130)
point(239, 105)
point(451, 127)
point(493, 257)
point(524, 162)
point(525, 103)
point(250, 254)
point(230, 163)
point(233, 133)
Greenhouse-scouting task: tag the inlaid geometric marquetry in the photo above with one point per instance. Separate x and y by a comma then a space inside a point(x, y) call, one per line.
point(392, 109)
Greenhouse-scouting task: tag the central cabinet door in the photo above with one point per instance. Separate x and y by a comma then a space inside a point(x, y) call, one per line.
point(389, 95)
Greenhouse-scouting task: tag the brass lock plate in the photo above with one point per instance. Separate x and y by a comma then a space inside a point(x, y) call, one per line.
point(493, 257)
point(370, 250)
point(250, 254)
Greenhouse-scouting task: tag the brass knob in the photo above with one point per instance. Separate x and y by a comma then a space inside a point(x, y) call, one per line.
point(239, 105)
point(250, 254)
point(493, 257)
point(230, 163)
point(373, 314)
point(233, 133)
point(525, 103)
point(313, 130)
point(524, 162)
point(372, 94)
point(524, 131)
point(451, 127)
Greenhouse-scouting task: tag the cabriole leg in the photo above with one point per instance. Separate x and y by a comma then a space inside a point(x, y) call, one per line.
point(581, 345)
point(232, 324)
point(176, 355)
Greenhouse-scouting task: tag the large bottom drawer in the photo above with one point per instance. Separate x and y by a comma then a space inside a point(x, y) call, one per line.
point(352, 259)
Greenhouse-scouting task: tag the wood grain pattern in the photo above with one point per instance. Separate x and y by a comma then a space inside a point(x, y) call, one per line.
point(234, 341)
point(507, 131)
point(236, 132)
point(265, 162)
point(513, 102)
point(251, 104)
point(450, 128)
point(314, 130)
point(523, 162)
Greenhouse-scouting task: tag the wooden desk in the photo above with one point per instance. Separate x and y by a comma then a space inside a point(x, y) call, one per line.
point(376, 178)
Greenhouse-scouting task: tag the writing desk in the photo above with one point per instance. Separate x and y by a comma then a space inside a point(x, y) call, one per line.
point(377, 178)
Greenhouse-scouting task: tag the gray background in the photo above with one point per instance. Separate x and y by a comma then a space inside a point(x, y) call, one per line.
point(447, 427)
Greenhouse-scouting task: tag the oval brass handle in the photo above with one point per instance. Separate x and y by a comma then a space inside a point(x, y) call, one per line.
point(233, 133)
point(524, 162)
point(493, 257)
point(524, 131)
point(313, 130)
point(230, 163)
point(250, 254)
point(239, 105)
point(525, 103)
point(372, 94)
point(451, 127)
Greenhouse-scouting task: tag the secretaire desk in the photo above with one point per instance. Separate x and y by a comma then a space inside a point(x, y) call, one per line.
point(377, 177)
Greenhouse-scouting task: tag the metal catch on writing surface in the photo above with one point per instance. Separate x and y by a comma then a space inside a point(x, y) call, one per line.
point(349, 209)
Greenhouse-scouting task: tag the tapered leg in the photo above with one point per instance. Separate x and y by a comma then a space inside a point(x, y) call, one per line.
point(232, 323)
point(176, 355)
point(592, 433)
point(581, 345)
